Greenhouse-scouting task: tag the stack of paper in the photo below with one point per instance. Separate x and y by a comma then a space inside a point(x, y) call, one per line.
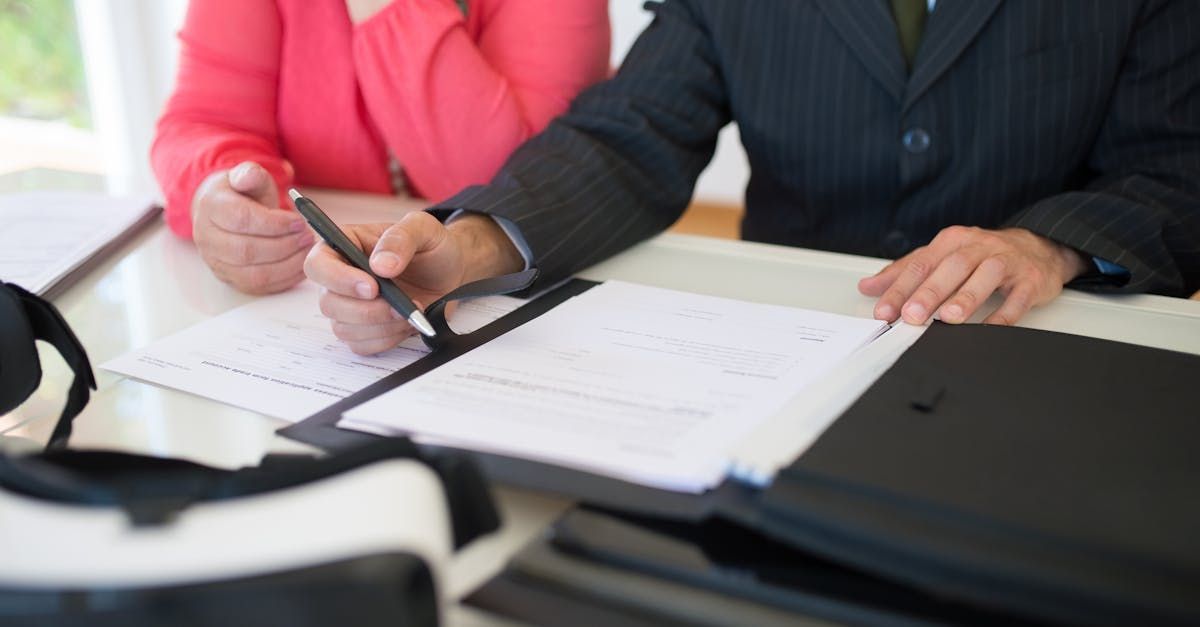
point(49, 235)
point(662, 388)
point(649, 385)
point(277, 355)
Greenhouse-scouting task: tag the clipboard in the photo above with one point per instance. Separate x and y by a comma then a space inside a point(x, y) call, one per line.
point(321, 430)
point(1050, 474)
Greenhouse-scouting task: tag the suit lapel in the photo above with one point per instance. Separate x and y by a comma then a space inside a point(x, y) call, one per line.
point(868, 28)
point(950, 29)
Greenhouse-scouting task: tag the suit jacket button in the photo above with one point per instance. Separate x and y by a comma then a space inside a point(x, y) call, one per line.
point(915, 140)
point(896, 244)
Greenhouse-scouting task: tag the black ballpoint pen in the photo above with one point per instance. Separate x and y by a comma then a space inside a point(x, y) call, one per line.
point(338, 241)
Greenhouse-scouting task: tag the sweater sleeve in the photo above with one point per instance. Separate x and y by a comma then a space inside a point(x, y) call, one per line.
point(452, 108)
point(222, 111)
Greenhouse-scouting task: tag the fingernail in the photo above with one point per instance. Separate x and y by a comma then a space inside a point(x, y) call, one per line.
point(385, 262)
point(915, 312)
point(299, 225)
point(952, 313)
point(306, 239)
point(363, 290)
point(238, 173)
point(885, 312)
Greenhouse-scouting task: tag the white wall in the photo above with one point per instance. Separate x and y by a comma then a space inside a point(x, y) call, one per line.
point(129, 54)
point(130, 51)
point(725, 178)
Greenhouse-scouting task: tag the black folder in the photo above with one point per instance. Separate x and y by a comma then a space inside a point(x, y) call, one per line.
point(1027, 469)
point(1046, 474)
point(993, 474)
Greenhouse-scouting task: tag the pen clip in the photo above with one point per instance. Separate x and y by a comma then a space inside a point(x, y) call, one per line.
point(492, 286)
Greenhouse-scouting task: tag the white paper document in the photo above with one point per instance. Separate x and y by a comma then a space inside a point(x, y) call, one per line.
point(277, 355)
point(779, 440)
point(46, 235)
point(649, 385)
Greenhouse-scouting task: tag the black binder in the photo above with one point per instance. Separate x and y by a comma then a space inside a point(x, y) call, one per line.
point(1050, 475)
point(1028, 469)
point(993, 474)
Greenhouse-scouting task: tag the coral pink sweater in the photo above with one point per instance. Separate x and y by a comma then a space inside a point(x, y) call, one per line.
point(320, 101)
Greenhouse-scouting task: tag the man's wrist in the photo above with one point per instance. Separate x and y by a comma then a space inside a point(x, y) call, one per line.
point(487, 250)
point(1074, 263)
point(1070, 262)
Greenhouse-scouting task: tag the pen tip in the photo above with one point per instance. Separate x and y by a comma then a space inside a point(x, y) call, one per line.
point(418, 320)
point(295, 195)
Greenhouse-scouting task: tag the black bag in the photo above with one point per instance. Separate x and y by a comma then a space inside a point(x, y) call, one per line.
point(107, 538)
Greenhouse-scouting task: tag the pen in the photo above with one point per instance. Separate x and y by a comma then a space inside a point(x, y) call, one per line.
point(338, 241)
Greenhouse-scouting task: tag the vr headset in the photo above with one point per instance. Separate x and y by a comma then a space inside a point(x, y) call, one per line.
point(106, 538)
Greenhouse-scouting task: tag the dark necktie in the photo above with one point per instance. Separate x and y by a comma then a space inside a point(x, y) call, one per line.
point(910, 22)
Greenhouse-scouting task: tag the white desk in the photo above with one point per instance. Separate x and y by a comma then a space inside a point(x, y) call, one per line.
point(157, 285)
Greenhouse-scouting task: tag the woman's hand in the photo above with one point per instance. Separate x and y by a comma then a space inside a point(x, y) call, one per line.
point(243, 235)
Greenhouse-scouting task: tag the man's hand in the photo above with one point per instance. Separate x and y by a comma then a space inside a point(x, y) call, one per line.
point(962, 266)
point(243, 235)
point(425, 258)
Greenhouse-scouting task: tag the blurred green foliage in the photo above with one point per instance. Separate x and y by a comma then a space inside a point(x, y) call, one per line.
point(41, 68)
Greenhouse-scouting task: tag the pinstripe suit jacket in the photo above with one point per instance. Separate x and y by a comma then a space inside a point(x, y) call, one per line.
point(1076, 119)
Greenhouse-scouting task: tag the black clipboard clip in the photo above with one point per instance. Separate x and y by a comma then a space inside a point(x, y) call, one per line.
point(492, 286)
point(321, 430)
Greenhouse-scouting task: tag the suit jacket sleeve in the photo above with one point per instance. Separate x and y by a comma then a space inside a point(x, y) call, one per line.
point(620, 166)
point(1142, 208)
